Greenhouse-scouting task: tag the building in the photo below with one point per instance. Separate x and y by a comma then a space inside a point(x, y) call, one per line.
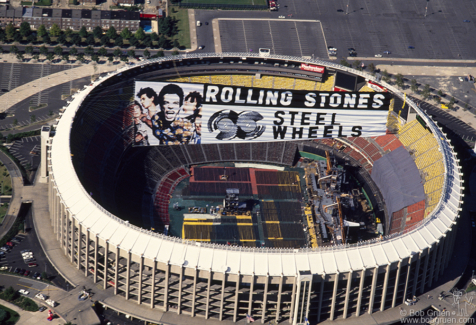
point(219, 281)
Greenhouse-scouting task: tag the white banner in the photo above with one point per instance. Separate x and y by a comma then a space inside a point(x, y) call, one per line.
point(177, 113)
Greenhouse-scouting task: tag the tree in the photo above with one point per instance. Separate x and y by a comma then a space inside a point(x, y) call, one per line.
point(73, 51)
point(118, 41)
point(175, 52)
point(58, 50)
point(41, 31)
point(104, 40)
point(97, 32)
point(43, 50)
point(55, 31)
point(452, 100)
point(139, 34)
point(133, 41)
point(35, 57)
point(31, 38)
point(25, 29)
point(426, 91)
point(117, 52)
point(399, 80)
point(163, 42)
point(17, 37)
point(61, 39)
point(160, 54)
point(437, 99)
point(50, 56)
point(65, 57)
point(10, 31)
point(76, 39)
point(90, 40)
point(44, 275)
point(176, 43)
point(344, 63)
point(371, 68)
point(83, 32)
point(131, 53)
point(29, 49)
point(146, 53)
point(102, 51)
point(440, 93)
point(357, 65)
point(126, 34)
point(9, 293)
point(385, 76)
point(414, 85)
point(95, 58)
point(89, 50)
point(110, 58)
point(80, 57)
point(124, 58)
point(15, 122)
point(68, 32)
point(20, 56)
point(14, 49)
point(154, 36)
point(3, 316)
point(46, 39)
point(147, 41)
point(111, 33)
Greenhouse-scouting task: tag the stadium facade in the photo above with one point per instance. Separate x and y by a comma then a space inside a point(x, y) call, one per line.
point(228, 282)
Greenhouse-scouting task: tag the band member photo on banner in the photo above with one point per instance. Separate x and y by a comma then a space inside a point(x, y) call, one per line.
point(167, 113)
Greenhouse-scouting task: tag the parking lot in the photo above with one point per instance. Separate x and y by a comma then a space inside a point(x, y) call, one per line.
point(27, 151)
point(13, 259)
point(286, 37)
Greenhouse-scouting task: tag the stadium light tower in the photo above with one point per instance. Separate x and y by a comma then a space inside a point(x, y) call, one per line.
point(347, 7)
point(426, 8)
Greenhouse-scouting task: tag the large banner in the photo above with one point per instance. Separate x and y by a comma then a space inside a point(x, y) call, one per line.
point(179, 113)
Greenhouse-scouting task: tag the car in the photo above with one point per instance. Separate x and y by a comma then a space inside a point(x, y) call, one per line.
point(282, 17)
point(387, 52)
point(10, 244)
point(351, 49)
point(27, 273)
point(199, 23)
point(201, 47)
point(17, 269)
point(331, 48)
point(4, 268)
point(24, 292)
point(51, 303)
point(5, 248)
point(378, 55)
point(32, 265)
point(41, 296)
point(352, 53)
point(460, 79)
point(16, 241)
point(332, 53)
point(411, 47)
point(42, 308)
point(340, 10)
point(466, 21)
point(206, 23)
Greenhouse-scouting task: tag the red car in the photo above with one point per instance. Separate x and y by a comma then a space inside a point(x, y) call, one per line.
point(10, 244)
point(32, 264)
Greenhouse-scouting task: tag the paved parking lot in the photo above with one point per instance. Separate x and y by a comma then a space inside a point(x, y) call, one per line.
point(286, 37)
point(27, 151)
point(14, 259)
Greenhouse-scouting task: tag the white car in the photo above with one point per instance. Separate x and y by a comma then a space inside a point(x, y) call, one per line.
point(331, 48)
point(378, 55)
point(460, 79)
point(41, 296)
point(24, 292)
point(282, 17)
point(51, 303)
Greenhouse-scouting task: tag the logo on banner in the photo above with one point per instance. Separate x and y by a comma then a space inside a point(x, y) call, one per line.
point(231, 124)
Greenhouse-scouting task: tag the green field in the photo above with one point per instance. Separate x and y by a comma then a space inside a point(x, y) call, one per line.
point(227, 2)
point(13, 316)
point(183, 36)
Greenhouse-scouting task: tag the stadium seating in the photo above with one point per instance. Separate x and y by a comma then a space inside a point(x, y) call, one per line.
point(302, 84)
point(283, 83)
point(327, 85)
point(220, 79)
point(242, 80)
point(366, 89)
point(263, 82)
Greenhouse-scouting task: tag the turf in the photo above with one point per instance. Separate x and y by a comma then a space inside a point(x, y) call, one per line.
point(183, 35)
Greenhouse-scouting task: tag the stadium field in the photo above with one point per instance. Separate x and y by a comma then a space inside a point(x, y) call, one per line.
point(227, 2)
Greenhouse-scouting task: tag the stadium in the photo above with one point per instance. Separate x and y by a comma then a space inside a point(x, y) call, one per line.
point(118, 209)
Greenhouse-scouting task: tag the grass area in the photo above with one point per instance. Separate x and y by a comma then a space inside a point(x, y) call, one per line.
point(37, 3)
point(32, 108)
point(6, 180)
point(227, 2)
point(183, 36)
point(12, 316)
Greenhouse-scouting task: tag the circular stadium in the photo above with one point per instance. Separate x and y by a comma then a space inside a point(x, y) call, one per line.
point(319, 229)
